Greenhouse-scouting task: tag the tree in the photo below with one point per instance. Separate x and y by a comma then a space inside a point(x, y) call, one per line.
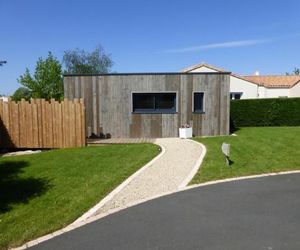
point(2, 63)
point(20, 93)
point(47, 79)
point(296, 71)
point(81, 62)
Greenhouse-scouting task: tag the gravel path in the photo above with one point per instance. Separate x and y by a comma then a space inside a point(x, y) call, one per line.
point(164, 175)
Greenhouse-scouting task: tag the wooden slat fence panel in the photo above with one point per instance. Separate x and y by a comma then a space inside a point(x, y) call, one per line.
point(42, 124)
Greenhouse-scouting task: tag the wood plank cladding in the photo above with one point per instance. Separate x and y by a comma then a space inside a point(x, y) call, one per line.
point(108, 102)
point(42, 124)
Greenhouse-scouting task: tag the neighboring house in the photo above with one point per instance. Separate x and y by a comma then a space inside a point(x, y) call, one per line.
point(256, 86)
point(4, 98)
point(277, 86)
point(152, 104)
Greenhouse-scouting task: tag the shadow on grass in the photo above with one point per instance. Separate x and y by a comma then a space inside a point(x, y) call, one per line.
point(15, 189)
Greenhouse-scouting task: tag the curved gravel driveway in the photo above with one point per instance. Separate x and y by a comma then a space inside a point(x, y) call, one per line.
point(166, 174)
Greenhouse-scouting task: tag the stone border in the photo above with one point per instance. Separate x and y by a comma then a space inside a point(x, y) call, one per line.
point(21, 152)
point(82, 220)
point(119, 188)
point(111, 211)
point(114, 210)
point(208, 183)
point(196, 166)
point(97, 217)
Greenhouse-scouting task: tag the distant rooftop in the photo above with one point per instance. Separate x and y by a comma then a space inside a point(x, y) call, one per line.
point(268, 81)
point(200, 65)
point(275, 81)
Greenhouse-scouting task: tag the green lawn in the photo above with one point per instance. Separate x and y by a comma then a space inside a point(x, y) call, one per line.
point(253, 151)
point(44, 192)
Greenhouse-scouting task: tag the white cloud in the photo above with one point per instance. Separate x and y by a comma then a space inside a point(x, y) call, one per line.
point(230, 44)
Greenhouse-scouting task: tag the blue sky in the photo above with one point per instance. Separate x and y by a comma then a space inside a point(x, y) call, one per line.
point(149, 36)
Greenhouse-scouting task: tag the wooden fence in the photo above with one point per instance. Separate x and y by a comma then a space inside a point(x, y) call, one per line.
point(42, 124)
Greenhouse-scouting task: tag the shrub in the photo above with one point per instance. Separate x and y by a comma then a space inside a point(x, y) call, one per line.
point(265, 112)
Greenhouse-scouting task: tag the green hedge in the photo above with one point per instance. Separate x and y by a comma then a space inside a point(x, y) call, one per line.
point(265, 112)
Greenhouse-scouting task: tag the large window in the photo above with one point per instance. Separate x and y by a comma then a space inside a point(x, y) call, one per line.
point(154, 102)
point(198, 102)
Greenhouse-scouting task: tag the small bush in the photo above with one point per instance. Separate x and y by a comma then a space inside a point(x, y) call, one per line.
point(265, 112)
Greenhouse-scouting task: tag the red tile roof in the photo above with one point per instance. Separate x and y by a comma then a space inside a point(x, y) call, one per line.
point(274, 81)
point(268, 81)
point(200, 65)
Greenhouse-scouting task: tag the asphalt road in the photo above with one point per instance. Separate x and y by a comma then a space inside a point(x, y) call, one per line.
point(261, 213)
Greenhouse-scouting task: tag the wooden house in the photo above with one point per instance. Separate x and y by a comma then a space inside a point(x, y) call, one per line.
point(152, 105)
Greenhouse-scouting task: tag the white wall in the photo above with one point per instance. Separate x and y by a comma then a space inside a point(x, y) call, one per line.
point(280, 92)
point(275, 92)
point(295, 91)
point(203, 69)
point(261, 92)
point(248, 89)
point(4, 98)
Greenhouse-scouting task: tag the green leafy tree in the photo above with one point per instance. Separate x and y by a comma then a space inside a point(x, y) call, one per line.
point(20, 93)
point(47, 79)
point(81, 62)
point(296, 71)
point(2, 63)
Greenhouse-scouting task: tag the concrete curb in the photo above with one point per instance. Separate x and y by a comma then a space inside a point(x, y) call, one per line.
point(88, 216)
point(107, 198)
point(97, 217)
point(196, 166)
point(82, 220)
point(241, 178)
point(181, 187)
point(111, 211)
